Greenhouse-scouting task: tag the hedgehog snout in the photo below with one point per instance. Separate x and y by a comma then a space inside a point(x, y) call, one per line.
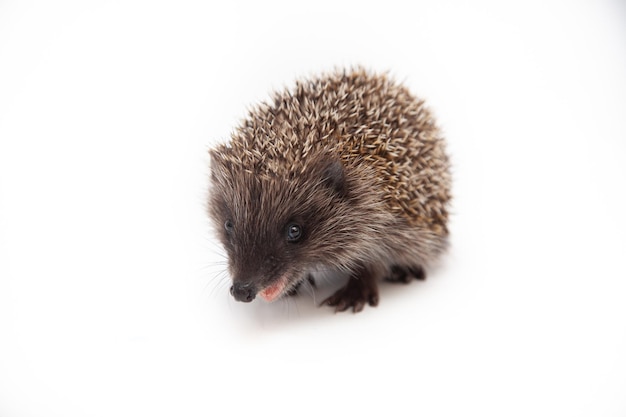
point(243, 291)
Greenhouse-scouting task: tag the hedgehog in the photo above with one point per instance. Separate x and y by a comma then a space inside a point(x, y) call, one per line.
point(347, 174)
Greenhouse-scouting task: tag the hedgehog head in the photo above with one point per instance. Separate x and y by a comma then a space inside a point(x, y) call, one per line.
point(278, 227)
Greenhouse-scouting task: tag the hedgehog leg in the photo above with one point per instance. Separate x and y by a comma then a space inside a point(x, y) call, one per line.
point(360, 289)
point(294, 290)
point(405, 274)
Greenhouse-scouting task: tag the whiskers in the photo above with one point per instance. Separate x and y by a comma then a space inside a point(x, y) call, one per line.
point(217, 283)
point(214, 272)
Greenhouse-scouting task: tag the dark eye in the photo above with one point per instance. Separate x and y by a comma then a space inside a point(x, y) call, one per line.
point(294, 232)
point(229, 226)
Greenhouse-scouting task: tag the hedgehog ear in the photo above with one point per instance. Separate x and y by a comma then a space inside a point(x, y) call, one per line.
point(333, 176)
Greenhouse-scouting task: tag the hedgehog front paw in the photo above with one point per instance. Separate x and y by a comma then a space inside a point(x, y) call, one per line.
point(355, 294)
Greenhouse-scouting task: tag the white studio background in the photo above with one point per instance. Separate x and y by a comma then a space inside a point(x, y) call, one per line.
point(113, 295)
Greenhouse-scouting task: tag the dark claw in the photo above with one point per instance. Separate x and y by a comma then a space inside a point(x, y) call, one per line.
point(358, 306)
point(373, 300)
point(342, 306)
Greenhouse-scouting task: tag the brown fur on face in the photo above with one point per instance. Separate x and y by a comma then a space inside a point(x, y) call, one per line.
point(322, 200)
point(352, 158)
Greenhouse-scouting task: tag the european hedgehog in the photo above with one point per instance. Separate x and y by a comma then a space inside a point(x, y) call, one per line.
point(346, 172)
